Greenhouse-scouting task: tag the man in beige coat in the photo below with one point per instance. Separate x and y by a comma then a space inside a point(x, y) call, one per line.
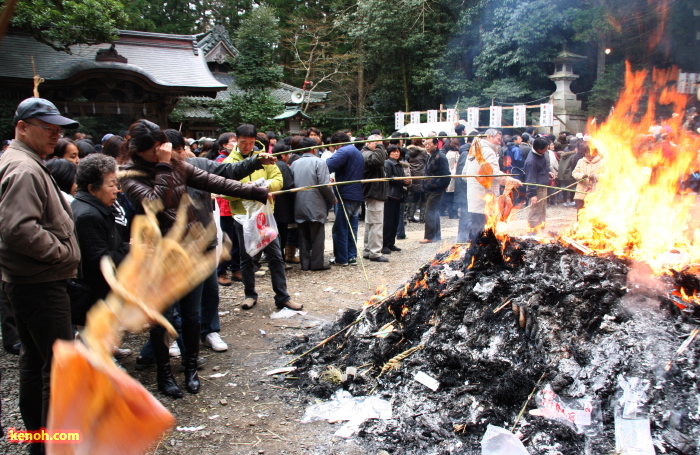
point(38, 251)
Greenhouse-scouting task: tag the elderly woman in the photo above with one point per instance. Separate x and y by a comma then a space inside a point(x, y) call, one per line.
point(95, 223)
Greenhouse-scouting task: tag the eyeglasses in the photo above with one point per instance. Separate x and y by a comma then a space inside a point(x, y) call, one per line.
point(59, 131)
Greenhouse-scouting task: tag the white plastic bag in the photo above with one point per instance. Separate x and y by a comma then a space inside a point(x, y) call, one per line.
point(499, 441)
point(259, 226)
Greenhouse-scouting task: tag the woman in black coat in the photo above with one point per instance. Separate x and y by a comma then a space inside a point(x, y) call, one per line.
point(150, 172)
point(392, 212)
point(98, 234)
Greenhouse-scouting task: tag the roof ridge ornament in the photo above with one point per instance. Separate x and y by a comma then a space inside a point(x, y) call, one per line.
point(110, 55)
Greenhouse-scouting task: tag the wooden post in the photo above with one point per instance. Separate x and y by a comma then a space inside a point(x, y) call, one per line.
point(440, 116)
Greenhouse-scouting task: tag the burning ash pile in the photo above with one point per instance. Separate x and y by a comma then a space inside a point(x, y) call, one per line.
point(491, 323)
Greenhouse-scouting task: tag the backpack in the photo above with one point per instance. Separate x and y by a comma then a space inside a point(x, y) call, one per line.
point(513, 160)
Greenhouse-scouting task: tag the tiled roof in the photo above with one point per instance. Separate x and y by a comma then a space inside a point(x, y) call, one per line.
point(291, 112)
point(152, 55)
point(283, 92)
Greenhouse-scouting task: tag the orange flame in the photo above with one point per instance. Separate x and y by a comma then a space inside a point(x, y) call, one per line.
point(422, 283)
point(457, 253)
point(687, 298)
point(635, 210)
point(381, 293)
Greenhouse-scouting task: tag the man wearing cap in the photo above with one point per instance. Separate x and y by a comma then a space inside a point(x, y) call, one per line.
point(38, 251)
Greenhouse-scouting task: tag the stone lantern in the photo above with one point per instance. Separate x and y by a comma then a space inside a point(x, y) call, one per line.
point(568, 115)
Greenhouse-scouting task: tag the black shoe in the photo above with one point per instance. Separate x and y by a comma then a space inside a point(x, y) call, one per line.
point(386, 250)
point(379, 259)
point(401, 237)
point(144, 362)
point(394, 248)
point(166, 382)
point(190, 338)
point(13, 348)
point(164, 375)
point(325, 267)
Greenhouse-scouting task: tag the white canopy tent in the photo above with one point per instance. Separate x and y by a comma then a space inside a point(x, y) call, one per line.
point(423, 129)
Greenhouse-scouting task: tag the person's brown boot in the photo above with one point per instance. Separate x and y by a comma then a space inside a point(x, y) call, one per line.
point(224, 280)
point(236, 276)
point(290, 252)
point(291, 305)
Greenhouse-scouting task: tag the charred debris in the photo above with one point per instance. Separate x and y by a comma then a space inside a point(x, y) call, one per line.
point(498, 320)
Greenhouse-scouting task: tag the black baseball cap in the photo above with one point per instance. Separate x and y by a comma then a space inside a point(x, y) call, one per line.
point(44, 110)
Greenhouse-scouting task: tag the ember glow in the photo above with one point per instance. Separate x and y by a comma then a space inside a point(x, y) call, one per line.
point(636, 210)
point(381, 293)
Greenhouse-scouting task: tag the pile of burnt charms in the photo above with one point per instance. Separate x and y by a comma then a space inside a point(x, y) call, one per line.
point(532, 337)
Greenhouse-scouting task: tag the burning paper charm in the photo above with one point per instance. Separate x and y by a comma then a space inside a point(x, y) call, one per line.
point(114, 413)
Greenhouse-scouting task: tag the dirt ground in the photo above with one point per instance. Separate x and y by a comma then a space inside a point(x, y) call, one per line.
point(245, 411)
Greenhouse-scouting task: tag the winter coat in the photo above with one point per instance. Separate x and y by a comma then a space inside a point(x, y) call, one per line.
point(374, 169)
point(452, 157)
point(394, 169)
point(284, 203)
point(460, 197)
point(437, 165)
point(536, 171)
point(269, 172)
point(37, 235)
point(98, 236)
point(418, 159)
point(141, 180)
point(553, 162)
point(475, 190)
point(525, 150)
point(585, 167)
point(566, 165)
point(202, 201)
point(348, 164)
point(311, 205)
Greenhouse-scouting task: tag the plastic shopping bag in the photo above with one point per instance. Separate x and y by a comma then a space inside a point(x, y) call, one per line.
point(259, 226)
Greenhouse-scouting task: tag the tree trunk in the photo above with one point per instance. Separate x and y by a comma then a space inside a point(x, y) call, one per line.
point(360, 91)
point(405, 82)
point(600, 65)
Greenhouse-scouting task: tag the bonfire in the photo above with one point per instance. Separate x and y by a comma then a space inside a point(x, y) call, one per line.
point(582, 346)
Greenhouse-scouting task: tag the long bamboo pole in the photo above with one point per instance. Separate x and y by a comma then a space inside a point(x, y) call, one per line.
point(373, 140)
point(417, 177)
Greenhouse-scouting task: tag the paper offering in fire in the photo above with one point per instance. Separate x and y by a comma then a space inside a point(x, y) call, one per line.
point(532, 337)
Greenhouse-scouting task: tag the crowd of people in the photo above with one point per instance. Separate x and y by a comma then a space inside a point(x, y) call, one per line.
point(65, 203)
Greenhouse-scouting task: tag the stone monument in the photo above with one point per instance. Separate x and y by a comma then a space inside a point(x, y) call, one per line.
point(568, 115)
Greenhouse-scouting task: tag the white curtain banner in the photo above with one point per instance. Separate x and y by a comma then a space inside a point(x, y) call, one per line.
point(399, 119)
point(473, 116)
point(496, 115)
point(547, 114)
point(519, 120)
point(415, 117)
point(432, 116)
point(450, 115)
